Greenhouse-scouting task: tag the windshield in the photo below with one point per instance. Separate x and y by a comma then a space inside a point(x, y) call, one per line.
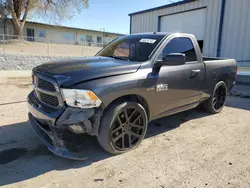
point(132, 47)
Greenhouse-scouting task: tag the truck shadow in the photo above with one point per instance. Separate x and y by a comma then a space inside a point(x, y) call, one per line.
point(20, 163)
point(238, 102)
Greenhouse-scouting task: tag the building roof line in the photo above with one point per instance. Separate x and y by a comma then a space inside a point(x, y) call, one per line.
point(161, 7)
point(67, 27)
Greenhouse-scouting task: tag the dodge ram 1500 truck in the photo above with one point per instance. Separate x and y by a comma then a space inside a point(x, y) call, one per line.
point(113, 95)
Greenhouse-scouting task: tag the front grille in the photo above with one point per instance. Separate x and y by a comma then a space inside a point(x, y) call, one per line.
point(49, 99)
point(44, 84)
point(46, 92)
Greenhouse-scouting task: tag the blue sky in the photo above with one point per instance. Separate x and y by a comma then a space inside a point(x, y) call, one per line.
point(110, 14)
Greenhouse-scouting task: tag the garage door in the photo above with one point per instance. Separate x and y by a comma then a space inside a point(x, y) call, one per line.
point(193, 22)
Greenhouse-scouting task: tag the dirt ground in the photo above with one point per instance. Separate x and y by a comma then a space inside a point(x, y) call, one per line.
point(190, 149)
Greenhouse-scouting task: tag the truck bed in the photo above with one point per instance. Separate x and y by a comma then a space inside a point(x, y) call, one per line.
point(218, 69)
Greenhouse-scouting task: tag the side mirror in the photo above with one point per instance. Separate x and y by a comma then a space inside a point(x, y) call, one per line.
point(172, 59)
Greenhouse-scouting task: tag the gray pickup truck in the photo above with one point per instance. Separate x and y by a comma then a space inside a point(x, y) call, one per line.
point(113, 95)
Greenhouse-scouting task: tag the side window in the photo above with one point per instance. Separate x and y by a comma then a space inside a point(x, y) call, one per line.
point(42, 33)
point(181, 45)
point(89, 39)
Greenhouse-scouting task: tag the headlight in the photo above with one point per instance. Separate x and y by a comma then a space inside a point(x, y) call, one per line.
point(81, 98)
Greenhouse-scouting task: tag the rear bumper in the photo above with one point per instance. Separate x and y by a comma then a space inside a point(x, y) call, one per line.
point(231, 87)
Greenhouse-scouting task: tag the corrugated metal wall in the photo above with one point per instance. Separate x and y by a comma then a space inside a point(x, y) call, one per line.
point(236, 31)
point(148, 21)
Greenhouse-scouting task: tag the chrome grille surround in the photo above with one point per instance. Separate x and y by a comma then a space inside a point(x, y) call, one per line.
point(47, 91)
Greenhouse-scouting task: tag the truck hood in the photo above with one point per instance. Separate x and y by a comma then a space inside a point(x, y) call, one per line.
point(68, 72)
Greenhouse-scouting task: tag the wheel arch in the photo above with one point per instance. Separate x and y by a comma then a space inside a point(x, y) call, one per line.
point(225, 78)
point(133, 98)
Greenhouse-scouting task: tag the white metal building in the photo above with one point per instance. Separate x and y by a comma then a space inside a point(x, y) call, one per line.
point(222, 27)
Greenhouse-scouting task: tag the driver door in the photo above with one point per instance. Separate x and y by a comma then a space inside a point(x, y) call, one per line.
point(181, 87)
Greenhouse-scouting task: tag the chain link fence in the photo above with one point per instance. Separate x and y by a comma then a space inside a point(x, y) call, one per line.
point(44, 46)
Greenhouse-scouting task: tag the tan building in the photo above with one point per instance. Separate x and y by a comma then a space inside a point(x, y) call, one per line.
point(39, 32)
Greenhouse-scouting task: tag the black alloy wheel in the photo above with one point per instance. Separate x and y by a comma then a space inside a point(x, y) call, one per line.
point(127, 129)
point(123, 127)
point(219, 97)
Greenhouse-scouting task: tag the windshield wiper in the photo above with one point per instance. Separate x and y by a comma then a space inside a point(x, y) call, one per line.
point(119, 57)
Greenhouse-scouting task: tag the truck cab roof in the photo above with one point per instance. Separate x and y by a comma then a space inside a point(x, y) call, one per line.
point(161, 33)
point(154, 33)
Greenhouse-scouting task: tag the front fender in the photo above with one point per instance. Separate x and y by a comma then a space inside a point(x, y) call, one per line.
point(112, 88)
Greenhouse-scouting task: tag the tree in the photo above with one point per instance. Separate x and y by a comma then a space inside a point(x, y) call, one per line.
point(55, 10)
point(3, 14)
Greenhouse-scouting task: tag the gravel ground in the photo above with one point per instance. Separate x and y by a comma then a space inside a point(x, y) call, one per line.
point(21, 62)
point(190, 149)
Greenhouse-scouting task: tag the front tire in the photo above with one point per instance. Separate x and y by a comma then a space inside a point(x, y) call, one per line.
point(123, 127)
point(217, 101)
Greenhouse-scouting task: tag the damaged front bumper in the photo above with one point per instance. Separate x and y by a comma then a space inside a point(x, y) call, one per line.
point(60, 129)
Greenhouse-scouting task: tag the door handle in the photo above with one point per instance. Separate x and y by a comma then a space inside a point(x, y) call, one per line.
point(194, 73)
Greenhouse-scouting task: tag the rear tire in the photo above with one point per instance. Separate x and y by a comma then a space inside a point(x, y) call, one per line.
point(217, 101)
point(123, 127)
